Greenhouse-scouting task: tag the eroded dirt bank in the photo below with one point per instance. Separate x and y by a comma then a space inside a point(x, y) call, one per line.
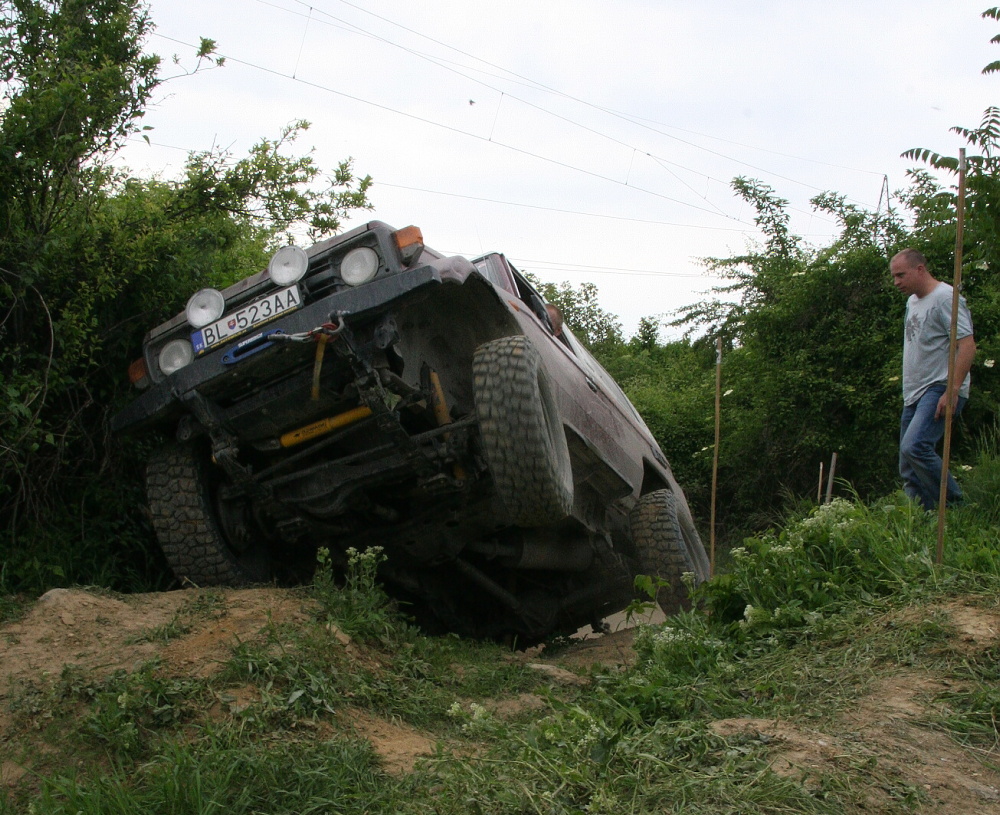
point(100, 634)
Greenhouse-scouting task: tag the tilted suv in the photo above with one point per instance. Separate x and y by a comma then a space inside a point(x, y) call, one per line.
point(370, 391)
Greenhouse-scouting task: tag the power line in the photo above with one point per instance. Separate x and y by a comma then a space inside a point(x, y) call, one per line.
point(348, 26)
point(557, 209)
point(639, 121)
point(519, 204)
point(353, 28)
point(552, 266)
point(456, 130)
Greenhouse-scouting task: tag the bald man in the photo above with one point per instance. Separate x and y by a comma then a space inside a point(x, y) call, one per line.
point(926, 340)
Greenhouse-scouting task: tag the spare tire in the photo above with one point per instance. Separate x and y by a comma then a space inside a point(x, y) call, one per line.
point(522, 433)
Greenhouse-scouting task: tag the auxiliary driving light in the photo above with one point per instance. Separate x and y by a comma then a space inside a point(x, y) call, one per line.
point(204, 307)
point(288, 265)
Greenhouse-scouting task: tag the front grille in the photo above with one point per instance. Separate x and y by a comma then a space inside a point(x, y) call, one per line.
point(323, 279)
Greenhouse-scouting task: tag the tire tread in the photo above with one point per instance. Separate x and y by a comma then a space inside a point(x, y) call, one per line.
point(661, 549)
point(184, 522)
point(524, 445)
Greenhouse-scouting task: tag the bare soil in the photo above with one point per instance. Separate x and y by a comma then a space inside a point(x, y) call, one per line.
point(102, 633)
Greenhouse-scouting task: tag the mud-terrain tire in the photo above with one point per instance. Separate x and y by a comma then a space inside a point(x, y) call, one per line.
point(662, 549)
point(522, 433)
point(179, 491)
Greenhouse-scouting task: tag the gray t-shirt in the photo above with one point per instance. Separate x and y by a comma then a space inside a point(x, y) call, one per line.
point(926, 336)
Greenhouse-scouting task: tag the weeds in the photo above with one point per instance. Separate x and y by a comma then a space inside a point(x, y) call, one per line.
point(358, 605)
point(216, 774)
point(805, 625)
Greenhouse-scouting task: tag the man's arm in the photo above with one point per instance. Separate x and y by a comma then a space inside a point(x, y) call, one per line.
point(964, 354)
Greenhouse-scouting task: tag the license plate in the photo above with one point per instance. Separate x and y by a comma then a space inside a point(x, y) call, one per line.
point(239, 322)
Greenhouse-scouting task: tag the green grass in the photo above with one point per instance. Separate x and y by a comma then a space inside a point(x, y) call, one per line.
point(218, 773)
point(801, 629)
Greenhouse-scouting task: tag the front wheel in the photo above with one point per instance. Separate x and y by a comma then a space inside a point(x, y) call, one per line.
point(522, 433)
point(186, 517)
point(664, 551)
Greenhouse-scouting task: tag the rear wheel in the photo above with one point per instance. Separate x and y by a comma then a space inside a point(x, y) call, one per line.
point(186, 516)
point(522, 433)
point(663, 550)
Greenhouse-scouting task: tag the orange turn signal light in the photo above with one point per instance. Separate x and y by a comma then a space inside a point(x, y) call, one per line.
point(410, 242)
point(138, 373)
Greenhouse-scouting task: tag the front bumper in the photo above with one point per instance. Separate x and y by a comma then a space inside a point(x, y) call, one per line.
point(163, 401)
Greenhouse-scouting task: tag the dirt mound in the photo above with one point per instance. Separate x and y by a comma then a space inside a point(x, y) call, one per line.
point(190, 630)
point(193, 632)
point(887, 732)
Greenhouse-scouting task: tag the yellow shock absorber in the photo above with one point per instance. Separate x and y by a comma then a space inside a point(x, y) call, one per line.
point(324, 426)
point(441, 414)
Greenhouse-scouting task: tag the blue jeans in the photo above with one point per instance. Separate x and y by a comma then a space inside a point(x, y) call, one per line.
point(919, 463)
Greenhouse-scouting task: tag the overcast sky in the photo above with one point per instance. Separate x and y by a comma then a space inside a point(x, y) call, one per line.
point(587, 140)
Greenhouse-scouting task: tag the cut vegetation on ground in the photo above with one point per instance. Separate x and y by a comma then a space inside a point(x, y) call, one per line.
point(832, 669)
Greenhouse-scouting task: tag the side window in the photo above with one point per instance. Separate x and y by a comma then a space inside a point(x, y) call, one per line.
point(524, 290)
point(534, 300)
point(499, 271)
point(549, 315)
point(490, 267)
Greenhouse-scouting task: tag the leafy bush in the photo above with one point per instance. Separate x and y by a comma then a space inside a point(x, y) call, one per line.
point(841, 552)
point(90, 259)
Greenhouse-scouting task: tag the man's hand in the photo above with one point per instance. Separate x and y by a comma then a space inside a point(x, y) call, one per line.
point(942, 405)
point(964, 354)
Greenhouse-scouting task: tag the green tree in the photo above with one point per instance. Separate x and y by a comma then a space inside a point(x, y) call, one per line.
point(934, 204)
point(811, 360)
point(592, 325)
point(90, 258)
point(74, 85)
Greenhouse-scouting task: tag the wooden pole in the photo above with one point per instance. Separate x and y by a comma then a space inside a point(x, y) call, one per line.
point(819, 487)
point(715, 455)
point(952, 346)
point(829, 480)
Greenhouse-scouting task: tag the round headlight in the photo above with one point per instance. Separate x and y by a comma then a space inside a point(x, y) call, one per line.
point(175, 355)
point(204, 307)
point(288, 265)
point(359, 266)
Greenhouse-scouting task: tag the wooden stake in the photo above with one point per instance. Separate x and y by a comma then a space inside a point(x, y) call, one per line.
point(829, 480)
point(819, 487)
point(952, 345)
point(715, 455)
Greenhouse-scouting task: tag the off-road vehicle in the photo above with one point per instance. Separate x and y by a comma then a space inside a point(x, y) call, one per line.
point(369, 391)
